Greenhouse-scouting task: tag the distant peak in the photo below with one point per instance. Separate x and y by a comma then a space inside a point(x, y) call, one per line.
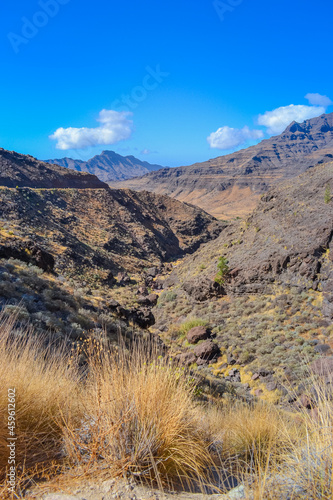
point(322, 123)
point(108, 152)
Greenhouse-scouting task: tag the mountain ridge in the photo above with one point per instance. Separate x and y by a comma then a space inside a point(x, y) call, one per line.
point(230, 185)
point(108, 166)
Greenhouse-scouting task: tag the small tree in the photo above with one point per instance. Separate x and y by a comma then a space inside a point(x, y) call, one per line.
point(222, 270)
point(327, 197)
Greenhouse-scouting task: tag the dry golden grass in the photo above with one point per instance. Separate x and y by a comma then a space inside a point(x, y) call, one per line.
point(134, 413)
point(310, 462)
point(249, 433)
point(140, 418)
point(46, 388)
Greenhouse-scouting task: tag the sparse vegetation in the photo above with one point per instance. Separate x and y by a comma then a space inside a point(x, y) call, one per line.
point(223, 270)
point(327, 196)
point(135, 412)
point(191, 323)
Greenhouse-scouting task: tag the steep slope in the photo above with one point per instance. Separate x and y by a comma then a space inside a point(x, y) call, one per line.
point(286, 241)
point(65, 254)
point(26, 171)
point(230, 185)
point(272, 314)
point(94, 231)
point(109, 166)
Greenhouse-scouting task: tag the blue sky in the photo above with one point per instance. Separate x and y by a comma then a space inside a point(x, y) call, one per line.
point(198, 75)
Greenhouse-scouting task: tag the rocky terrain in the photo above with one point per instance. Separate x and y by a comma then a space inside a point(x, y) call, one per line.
point(108, 255)
point(56, 242)
point(109, 166)
point(26, 171)
point(231, 317)
point(230, 186)
point(275, 302)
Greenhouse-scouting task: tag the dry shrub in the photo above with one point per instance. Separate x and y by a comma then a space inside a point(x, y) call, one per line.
point(249, 434)
point(310, 463)
point(135, 413)
point(46, 388)
point(140, 418)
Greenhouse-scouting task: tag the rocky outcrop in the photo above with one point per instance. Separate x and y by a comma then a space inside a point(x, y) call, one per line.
point(203, 288)
point(30, 253)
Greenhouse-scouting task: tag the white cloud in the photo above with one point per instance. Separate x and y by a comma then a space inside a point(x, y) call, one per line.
point(115, 126)
point(229, 138)
point(277, 120)
point(146, 152)
point(318, 100)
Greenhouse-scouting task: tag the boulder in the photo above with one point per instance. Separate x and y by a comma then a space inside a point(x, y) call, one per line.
point(201, 361)
point(206, 350)
point(197, 333)
point(158, 284)
point(123, 279)
point(142, 300)
point(152, 272)
point(271, 386)
point(149, 300)
point(143, 318)
point(186, 358)
point(153, 298)
point(201, 289)
point(110, 279)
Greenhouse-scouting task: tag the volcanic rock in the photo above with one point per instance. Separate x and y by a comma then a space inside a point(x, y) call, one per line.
point(197, 333)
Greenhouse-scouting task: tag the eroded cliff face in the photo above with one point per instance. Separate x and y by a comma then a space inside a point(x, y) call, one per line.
point(230, 186)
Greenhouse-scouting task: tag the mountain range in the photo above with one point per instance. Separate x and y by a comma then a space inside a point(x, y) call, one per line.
point(118, 228)
point(78, 256)
point(231, 185)
point(109, 166)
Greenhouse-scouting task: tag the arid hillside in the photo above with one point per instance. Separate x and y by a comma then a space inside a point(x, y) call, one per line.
point(230, 186)
point(269, 312)
point(65, 250)
point(25, 171)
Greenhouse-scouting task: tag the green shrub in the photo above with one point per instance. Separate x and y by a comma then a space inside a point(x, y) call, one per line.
point(327, 196)
point(222, 270)
point(191, 323)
